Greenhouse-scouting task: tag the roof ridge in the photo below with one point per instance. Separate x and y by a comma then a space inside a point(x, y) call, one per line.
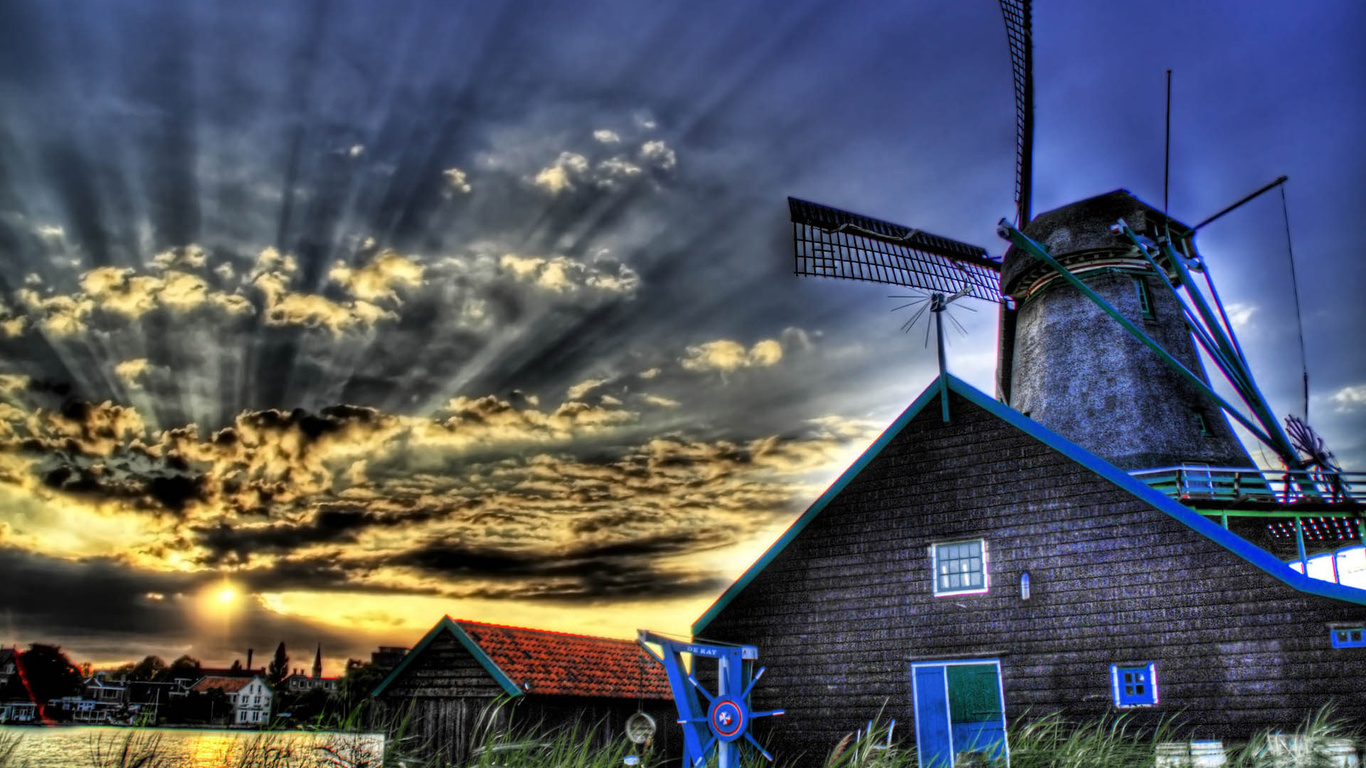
point(543, 631)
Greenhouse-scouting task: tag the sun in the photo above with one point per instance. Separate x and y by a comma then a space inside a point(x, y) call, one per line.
point(228, 594)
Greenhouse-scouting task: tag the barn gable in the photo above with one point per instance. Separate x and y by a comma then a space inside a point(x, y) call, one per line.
point(446, 661)
point(844, 610)
point(1230, 541)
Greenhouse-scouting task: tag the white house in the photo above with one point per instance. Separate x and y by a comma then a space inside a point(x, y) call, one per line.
point(250, 697)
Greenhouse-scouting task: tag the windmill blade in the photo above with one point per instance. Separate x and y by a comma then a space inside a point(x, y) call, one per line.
point(834, 243)
point(1019, 30)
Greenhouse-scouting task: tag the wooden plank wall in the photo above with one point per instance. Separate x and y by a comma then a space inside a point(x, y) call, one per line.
point(448, 692)
point(839, 616)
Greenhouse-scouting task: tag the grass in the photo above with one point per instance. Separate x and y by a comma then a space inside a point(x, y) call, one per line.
point(1047, 741)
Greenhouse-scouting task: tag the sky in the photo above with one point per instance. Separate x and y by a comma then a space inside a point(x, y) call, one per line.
point(321, 320)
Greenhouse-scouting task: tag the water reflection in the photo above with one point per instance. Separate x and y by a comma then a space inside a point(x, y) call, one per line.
point(97, 747)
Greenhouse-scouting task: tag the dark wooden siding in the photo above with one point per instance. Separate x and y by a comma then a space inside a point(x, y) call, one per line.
point(839, 615)
point(443, 694)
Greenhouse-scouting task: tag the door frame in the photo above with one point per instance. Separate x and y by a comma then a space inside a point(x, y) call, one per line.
point(915, 709)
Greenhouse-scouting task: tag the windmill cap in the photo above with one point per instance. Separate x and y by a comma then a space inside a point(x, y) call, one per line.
point(1084, 226)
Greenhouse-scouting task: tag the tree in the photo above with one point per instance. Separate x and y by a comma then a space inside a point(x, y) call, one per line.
point(185, 667)
point(49, 673)
point(149, 669)
point(279, 666)
point(359, 681)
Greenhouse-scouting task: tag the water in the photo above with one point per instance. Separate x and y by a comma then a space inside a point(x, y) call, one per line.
point(103, 747)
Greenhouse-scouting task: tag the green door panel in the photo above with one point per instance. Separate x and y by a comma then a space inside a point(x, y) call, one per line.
point(974, 693)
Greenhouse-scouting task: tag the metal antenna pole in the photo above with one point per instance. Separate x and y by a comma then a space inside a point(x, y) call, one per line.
point(937, 306)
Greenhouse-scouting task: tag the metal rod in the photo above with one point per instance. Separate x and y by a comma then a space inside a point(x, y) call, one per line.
point(1218, 303)
point(1201, 334)
point(1167, 153)
point(1295, 291)
point(1281, 180)
point(1022, 240)
point(1299, 543)
point(1227, 353)
point(1253, 396)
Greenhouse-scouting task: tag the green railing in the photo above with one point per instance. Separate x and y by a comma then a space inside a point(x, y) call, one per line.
point(1231, 485)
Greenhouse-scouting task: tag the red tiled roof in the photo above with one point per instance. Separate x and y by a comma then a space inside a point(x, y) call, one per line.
point(228, 684)
point(542, 662)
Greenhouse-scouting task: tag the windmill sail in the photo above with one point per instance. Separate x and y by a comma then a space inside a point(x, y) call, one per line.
point(830, 242)
point(1019, 27)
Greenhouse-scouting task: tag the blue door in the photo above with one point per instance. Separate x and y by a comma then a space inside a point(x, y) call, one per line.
point(958, 710)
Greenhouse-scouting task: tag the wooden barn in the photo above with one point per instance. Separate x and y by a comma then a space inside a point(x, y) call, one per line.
point(966, 571)
point(552, 680)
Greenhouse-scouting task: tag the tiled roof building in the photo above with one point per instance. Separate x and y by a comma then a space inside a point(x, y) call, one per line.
point(460, 667)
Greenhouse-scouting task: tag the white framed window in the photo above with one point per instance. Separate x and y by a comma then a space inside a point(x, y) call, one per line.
point(960, 567)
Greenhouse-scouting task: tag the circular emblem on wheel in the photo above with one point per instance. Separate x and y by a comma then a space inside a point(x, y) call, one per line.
point(727, 719)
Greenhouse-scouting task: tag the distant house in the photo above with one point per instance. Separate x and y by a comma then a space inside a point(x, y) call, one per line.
point(18, 712)
point(301, 683)
point(146, 700)
point(460, 667)
point(973, 565)
point(250, 698)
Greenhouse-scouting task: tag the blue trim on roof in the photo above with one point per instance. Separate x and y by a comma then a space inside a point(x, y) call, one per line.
point(815, 509)
point(1191, 519)
point(448, 625)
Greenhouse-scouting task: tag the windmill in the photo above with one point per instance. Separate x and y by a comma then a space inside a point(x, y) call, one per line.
point(1114, 274)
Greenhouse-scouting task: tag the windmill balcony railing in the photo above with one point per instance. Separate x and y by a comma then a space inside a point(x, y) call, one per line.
point(1232, 486)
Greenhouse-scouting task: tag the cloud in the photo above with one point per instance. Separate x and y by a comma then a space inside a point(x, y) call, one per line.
point(606, 136)
point(726, 355)
point(58, 316)
point(615, 170)
point(577, 391)
point(1350, 398)
point(128, 371)
point(376, 280)
point(559, 274)
point(1240, 315)
point(661, 402)
point(561, 174)
point(457, 181)
point(659, 154)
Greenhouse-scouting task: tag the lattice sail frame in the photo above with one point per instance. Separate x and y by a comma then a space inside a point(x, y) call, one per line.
point(1019, 30)
point(829, 242)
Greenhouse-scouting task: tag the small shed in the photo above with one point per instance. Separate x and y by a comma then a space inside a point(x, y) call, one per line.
point(459, 668)
point(964, 573)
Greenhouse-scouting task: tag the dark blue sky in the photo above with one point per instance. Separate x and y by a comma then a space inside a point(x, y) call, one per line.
point(488, 308)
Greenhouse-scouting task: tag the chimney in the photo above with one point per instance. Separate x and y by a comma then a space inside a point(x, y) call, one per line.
point(248, 659)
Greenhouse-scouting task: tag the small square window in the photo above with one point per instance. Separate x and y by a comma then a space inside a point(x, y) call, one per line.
point(1201, 422)
point(1349, 637)
point(1134, 685)
point(960, 567)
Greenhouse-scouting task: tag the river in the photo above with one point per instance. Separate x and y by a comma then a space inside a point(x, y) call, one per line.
point(104, 747)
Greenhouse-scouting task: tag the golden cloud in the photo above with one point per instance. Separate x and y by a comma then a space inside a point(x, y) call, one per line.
point(726, 355)
point(376, 280)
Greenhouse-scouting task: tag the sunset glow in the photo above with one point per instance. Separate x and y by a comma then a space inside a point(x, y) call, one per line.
point(319, 322)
